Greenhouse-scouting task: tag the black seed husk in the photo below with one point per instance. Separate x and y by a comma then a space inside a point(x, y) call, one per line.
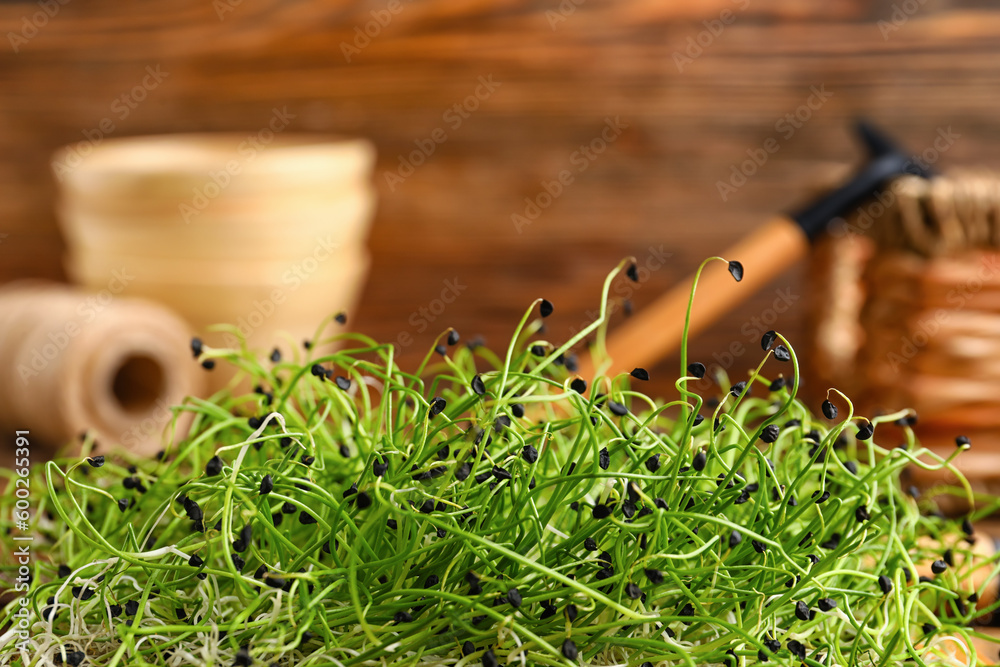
point(736, 270)
point(266, 485)
point(770, 433)
point(214, 466)
point(438, 405)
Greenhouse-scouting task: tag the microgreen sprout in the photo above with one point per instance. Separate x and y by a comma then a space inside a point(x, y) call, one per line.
point(486, 510)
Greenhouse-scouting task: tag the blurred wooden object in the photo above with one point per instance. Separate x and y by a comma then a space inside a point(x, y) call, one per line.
point(268, 236)
point(447, 228)
point(74, 361)
point(659, 330)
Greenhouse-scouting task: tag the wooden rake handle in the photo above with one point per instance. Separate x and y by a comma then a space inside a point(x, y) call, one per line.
point(656, 331)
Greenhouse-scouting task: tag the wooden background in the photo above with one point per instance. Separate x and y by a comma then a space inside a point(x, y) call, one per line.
point(653, 191)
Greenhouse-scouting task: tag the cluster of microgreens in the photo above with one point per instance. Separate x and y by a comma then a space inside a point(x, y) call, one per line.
point(492, 510)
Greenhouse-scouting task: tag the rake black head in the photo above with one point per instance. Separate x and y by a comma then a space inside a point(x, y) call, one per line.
point(886, 161)
point(881, 147)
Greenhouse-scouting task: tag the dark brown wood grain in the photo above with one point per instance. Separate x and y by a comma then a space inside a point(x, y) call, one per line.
point(653, 191)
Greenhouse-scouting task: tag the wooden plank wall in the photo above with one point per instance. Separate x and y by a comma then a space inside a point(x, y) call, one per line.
point(917, 67)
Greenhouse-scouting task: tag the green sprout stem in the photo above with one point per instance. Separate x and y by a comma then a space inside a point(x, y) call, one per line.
point(403, 519)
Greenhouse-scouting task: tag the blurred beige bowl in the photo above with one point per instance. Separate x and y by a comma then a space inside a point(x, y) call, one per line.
point(270, 296)
point(171, 169)
point(292, 229)
point(270, 238)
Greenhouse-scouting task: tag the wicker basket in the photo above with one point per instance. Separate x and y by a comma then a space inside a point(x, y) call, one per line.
point(907, 311)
